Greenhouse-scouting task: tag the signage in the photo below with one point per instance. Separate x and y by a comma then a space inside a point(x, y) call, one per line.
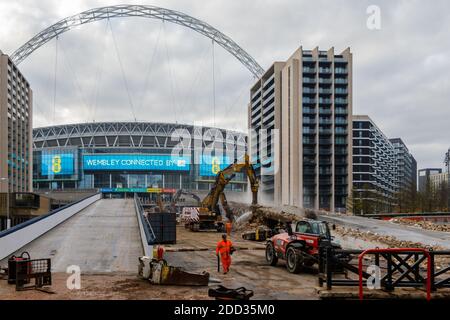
point(211, 165)
point(135, 162)
point(57, 164)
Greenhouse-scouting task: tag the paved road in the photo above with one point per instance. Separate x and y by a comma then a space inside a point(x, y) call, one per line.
point(104, 237)
point(248, 269)
point(401, 232)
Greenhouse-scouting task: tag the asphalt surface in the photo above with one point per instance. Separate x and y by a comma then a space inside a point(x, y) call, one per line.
point(401, 232)
point(104, 237)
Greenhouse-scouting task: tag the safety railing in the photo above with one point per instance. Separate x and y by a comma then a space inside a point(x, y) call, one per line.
point(148, 237)
point(397, 268)
point(393, 253)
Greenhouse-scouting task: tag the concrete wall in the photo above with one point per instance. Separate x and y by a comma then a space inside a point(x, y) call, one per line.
point(15, 238)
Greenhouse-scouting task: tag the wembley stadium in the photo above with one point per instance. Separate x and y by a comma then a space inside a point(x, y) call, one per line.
point(121, 158)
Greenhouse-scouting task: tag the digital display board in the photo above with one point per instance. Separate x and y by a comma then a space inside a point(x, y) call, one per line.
point(211, 165)
point(135, 162)
point(57, 164)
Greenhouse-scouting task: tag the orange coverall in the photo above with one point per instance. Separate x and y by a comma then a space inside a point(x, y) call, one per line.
point(224, 248)
point(228, 227)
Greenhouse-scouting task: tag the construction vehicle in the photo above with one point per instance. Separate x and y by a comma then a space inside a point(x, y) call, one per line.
point(209, 215)
point(176, 198)
point(300, 248)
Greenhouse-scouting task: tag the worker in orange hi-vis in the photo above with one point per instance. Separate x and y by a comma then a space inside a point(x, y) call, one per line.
point(225, 249)
point(228, 227)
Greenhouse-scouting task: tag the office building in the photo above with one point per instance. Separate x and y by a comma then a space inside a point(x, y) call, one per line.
point(406, 166)
point(15, 133)
point(424, 177)
point(374, 166)
point(305, 104)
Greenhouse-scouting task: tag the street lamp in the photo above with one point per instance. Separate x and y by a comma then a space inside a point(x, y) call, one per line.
point(8, 221)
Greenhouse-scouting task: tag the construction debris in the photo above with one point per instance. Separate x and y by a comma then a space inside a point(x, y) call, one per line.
point(391, 242)
point(422, 224)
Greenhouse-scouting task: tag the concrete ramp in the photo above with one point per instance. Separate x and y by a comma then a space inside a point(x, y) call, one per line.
point(104, 237)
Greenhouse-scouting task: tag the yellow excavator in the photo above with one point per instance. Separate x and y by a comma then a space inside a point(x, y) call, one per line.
point(209, 216)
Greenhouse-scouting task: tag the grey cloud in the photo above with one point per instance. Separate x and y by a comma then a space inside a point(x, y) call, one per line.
point(400, 72)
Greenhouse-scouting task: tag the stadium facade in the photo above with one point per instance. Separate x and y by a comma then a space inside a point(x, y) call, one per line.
point(128, 157)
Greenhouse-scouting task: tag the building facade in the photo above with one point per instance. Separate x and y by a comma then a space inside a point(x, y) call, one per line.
point(440, 183)
point(300, 139)
point(424, 177)
point(374, 167)
point(15, 133)
point(406, 166)
point(128, 157)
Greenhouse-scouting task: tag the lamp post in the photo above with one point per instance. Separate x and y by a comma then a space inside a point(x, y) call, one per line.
point(8, 221)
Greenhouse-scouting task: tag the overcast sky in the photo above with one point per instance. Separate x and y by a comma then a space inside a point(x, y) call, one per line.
point(401, 72)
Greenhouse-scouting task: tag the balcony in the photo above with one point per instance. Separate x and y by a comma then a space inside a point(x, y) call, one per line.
point(325, 111)
point(309, 80)
point(309, 121)
point(326, 81)
point(324, 101)
point(325, 121)
point(309, 70)
point(324, 70)
point(325, 91)
point(341, 111)
point(307, 110)
point(325, 131)
point(309, 151)
point(341, 81)
point(307, 130)
point(307, 100)
point(309, 90)
point(341, 101)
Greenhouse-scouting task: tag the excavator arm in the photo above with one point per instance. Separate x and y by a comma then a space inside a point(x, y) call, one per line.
point(179, 193)
point(223, 177)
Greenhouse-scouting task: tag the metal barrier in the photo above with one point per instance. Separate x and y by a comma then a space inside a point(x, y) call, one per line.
point(147, 235)
point(390, 254)
point(398, 268)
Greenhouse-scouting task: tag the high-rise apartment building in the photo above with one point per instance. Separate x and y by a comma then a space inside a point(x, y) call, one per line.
point(374, 166)
point(305, 104)
point(15, 131)
point(406, 166)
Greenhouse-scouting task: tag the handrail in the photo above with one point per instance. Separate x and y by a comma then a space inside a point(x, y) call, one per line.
point(36, 219)
point(394, 250)
point(149, 233)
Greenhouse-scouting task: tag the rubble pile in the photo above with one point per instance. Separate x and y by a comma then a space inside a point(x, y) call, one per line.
point(422, 224)
point(390, 241)
point(250, 217)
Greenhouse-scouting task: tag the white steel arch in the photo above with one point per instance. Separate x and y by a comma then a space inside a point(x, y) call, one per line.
point(145, 11)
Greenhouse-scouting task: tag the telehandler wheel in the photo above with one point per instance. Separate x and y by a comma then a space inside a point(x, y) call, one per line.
point(271, 256)
point(294, 260)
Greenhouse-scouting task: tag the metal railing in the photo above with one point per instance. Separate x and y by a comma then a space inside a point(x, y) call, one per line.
point(398, 268)
point(149, 234)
